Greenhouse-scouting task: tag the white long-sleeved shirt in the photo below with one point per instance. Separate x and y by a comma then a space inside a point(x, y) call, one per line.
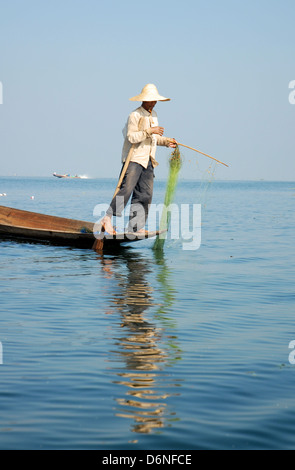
point(137, 132)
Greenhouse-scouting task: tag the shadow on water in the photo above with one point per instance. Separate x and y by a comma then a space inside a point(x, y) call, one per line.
point(145, 340)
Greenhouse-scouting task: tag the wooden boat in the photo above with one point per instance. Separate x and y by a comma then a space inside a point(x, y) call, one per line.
point(29, 226)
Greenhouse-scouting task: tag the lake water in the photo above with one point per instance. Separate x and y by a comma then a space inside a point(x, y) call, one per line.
point(143, 350)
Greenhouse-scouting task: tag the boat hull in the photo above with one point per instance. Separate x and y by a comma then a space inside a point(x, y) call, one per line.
point(32, 227)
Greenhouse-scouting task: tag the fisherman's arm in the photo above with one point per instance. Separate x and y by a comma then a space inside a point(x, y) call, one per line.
point(135, 135)
point(166, 142)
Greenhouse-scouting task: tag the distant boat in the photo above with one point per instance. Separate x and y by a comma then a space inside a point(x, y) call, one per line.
point(67, 176)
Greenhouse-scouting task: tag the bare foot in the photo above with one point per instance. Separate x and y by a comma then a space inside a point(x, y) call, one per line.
point(106, 226)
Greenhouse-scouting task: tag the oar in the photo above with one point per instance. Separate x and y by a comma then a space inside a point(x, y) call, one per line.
point(128, 159)
point(125, 168)
point(98, 244)
point(195, 150)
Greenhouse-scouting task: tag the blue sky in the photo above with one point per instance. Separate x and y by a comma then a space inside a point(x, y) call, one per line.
point(69, 67)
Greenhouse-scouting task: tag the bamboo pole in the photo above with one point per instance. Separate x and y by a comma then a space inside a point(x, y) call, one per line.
point(191, 148)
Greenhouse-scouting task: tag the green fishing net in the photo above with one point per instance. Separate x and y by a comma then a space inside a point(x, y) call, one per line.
point(175, 164)
point(200, 185)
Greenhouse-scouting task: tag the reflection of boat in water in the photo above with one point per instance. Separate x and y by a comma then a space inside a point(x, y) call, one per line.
point(67, 176)
point(144, 348)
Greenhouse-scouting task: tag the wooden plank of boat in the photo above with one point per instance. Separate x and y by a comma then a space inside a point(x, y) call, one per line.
point(31, 226)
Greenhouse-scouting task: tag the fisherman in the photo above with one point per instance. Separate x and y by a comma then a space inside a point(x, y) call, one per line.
point(142, 134)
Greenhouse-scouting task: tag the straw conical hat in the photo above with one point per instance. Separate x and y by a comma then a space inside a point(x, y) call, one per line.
point(149, 93)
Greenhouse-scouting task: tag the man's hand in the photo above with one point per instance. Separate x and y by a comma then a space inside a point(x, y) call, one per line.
point(173, 143)
point(157, 130)
point(160, 131)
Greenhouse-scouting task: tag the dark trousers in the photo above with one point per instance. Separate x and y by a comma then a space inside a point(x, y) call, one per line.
point(139, 182)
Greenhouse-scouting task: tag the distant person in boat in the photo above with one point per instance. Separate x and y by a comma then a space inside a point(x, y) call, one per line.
point(142, 134)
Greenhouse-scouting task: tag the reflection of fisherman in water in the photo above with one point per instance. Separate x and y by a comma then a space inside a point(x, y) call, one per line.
point(142, 345)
